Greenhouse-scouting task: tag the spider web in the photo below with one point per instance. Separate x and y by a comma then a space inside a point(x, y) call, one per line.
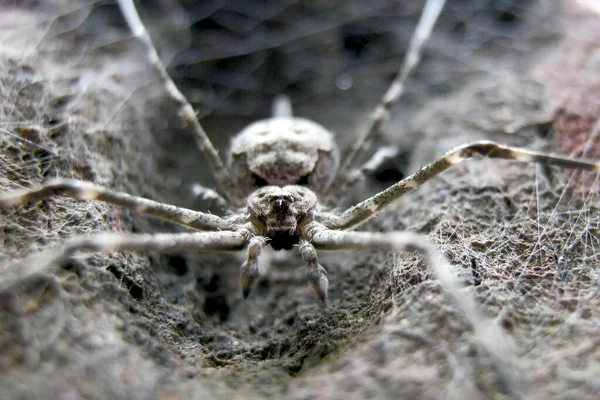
point(80, 101)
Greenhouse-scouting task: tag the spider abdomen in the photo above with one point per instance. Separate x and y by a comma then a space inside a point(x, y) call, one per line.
point(283, 151)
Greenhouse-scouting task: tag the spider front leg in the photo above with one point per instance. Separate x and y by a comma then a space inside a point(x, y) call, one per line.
point(250, 272)
point(322, 238)
point(359, 213)
point(488, 334)
point(88, 191)
point(226, 241)
point(316, 274)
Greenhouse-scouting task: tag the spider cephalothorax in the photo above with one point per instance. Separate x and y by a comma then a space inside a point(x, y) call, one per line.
point(276, 212)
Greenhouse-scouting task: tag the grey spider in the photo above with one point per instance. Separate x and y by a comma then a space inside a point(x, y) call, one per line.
point(278, 171)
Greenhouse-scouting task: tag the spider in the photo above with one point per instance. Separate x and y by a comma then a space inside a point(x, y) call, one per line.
point(283, 176)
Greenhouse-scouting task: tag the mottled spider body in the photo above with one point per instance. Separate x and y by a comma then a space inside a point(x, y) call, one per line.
point(283, 150)
point(277, 213)
point(269, 160)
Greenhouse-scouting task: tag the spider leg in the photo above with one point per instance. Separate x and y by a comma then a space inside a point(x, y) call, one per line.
point(185, 108)
point(323, 238)
point(429, 16)
point(316, 274)
point(371, 206)
point(88, 191)
point(32, 266)
point(250, 272)
point(209, 195)
point(487, 333)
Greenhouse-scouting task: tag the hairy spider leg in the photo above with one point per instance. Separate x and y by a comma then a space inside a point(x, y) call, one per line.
point(220, 170)
point(250, 272)
point(359, 213)
point(82, 190)
point(315, 273)
point(427, 21)
point(48, 261)
point(486, 332)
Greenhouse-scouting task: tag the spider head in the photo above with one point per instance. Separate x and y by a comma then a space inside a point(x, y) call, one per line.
point(276, 211)
point(283, 151)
